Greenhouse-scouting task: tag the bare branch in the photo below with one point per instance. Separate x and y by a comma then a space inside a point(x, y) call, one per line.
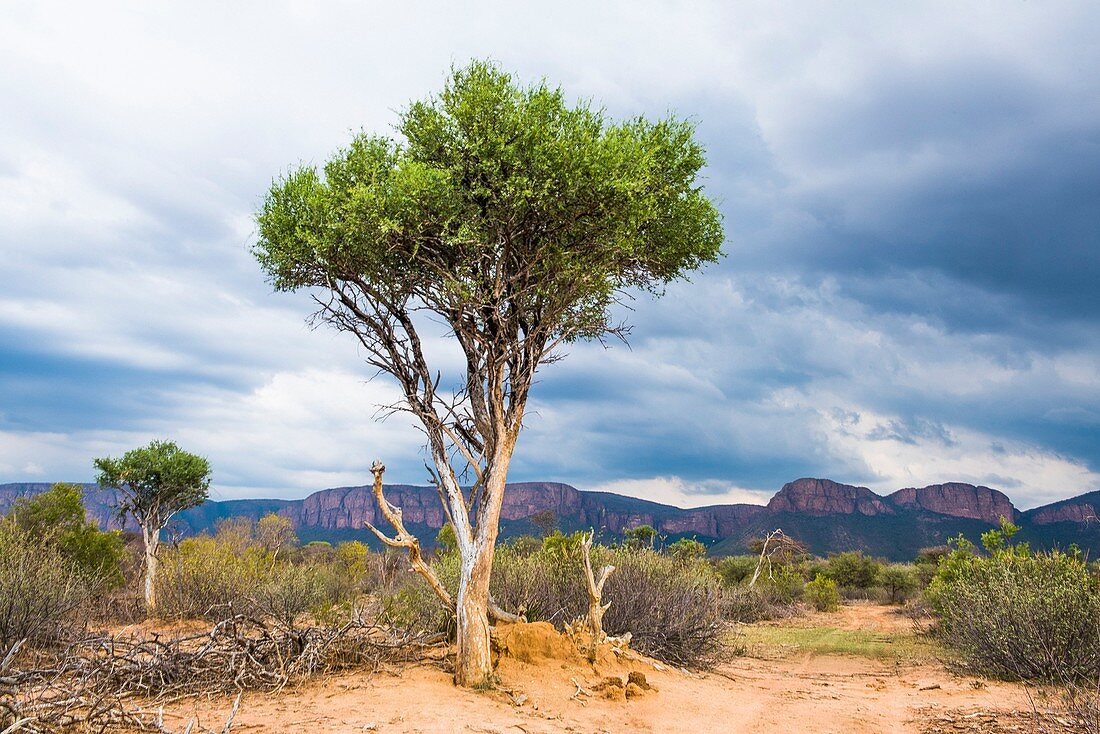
point(405, 539)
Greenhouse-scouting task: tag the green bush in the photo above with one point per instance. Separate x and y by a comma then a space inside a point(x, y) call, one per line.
point(734, 570)
point(1019, 615)
point(246, 568)
point(822, 594)
point(687, 550)
point(852, 569)
point(57, 517)
point(899, 581)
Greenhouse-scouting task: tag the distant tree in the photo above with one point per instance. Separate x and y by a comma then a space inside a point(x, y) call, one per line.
point(275, 534)
point(687, 550)
point(899, 581)
point(853, 570)
point(154, 483)
point(57, 516)
point(545, 522)
point(642, 536)
point(518, 221)
point(445, 538)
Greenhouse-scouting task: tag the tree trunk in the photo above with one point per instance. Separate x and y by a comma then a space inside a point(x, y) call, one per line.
point(473, 662)
point(152, 541)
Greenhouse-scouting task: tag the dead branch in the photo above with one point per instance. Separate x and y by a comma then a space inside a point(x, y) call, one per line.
point(775, 543)
point(595, 585)
point(404, 539)
point(87, 685)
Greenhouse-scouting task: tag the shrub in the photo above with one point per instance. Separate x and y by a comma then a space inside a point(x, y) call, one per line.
point(1018, 615)
point(42, 594)
point(673, 612)
point(687, 550)
point(899, 582)
point(735, 569)
point(783, 585)
point(744, 604)
point(821, 594)
point(57, 517)
point(852, 569)
point(642, 536)
point(287, 591)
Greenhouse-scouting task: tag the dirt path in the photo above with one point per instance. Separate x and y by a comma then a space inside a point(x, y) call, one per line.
point(801, 692)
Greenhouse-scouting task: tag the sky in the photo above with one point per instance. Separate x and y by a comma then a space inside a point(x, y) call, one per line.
point(911, 200)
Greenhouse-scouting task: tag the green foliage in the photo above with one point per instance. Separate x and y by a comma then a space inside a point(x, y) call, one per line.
point(562, 546)
point(156, 481)
point(822, 594)
point(783, 584)
point(42, 593)
point(445, 539)
point(736, 569)
point(641, 536)
point(687, 550)
point(57, 517)
point(545, 521)
point(275, 534)
point(574, 207)
point(525, 545)
point(852, 569)
point(1018, 614)
point(245, 568)
point(899, 581)
point(998, 539)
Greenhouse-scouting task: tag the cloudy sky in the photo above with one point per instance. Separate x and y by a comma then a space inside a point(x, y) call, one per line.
point(911, 196)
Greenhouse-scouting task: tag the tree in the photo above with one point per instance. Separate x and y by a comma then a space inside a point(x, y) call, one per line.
point(642, 536)
point(687, 550)
point(518, 221)
point(57, 517)
point(154, 483)
point(546, 521)
point(275, 534)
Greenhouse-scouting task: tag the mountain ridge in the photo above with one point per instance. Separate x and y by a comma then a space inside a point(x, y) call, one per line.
point(828, 515)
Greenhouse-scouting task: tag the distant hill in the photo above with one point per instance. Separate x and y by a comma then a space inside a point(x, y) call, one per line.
point(826, 515)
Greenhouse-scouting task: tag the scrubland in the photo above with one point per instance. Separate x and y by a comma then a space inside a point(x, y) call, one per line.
point(254, 631)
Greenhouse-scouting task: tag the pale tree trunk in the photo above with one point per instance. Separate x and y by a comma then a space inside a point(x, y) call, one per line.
point(473, 661)
point(152, 541)
point(474, 606)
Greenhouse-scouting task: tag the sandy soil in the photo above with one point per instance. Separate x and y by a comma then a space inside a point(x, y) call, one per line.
point(801, 693)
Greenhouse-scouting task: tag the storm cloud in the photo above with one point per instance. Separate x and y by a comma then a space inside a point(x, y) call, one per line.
point(911, 198)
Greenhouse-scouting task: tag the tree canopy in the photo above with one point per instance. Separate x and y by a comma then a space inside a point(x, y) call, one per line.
point(156, 481)
point(517, 217)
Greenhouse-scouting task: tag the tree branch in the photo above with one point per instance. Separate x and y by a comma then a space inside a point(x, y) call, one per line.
point(405, 539)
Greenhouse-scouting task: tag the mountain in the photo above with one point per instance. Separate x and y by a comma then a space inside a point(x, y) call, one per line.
point(826, 515)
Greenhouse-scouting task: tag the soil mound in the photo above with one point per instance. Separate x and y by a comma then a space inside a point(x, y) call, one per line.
point(531, 642)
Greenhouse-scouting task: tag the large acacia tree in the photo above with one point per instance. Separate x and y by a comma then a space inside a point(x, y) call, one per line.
point(519, 220)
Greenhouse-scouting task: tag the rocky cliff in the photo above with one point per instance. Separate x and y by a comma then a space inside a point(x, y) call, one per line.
point(1084, 509)
point(828, 515)
point(957, 500)
point(825, 497)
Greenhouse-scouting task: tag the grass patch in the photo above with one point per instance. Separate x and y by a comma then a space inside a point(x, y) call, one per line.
point(771, 642)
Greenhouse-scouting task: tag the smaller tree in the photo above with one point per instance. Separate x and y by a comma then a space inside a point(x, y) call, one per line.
point(642, 536)
point(154, 483)
point(545, 522)
point(275, 534)
point(687, 550)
